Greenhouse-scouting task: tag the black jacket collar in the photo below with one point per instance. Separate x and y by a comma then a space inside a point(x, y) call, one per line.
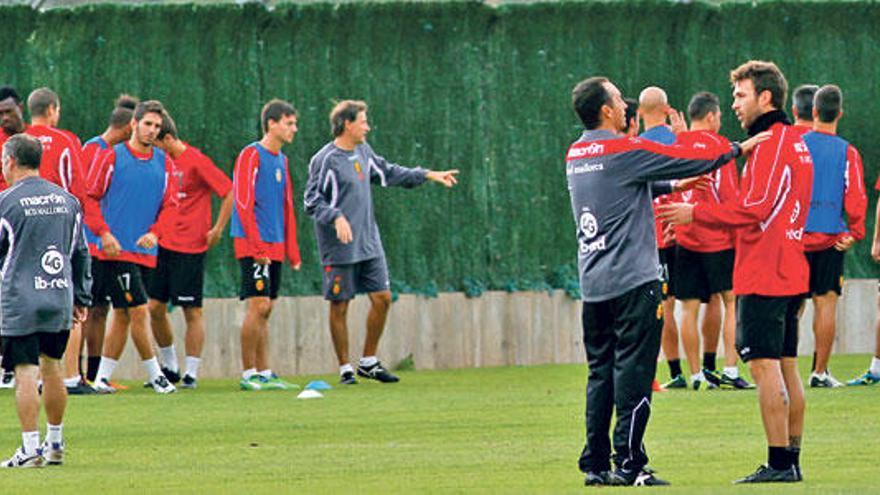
point(767, 120)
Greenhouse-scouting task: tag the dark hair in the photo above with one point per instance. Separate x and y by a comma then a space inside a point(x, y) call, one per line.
point(587, 98)
point(40, 100)
point(702, 104)
point(766, 76)
point(632, 110)
point(25, 150)
point(124, 111)
point(828, 102)
point(9, 92)
point(149, 106)
point(802, 100)
point(345, 111)
point(275, 110)
point(168, 127)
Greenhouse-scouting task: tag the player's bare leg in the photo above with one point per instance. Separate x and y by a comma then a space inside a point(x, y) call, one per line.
point(72, 359)
point(339, 330)
point(825, 307)
point(796, 407)
point(690, 338)
point(164, 336)
point(711, 331)
point(194, 343)
point(262, 349)
point(369, 365)
point(257, 316)
point(774, 400)
point(93, 332)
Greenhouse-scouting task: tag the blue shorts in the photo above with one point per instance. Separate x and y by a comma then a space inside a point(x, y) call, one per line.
point(342, 282)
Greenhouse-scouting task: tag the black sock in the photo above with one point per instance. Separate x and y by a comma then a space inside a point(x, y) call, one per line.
point(674, 367)
point(709, 361)
point(778, 458)
point(795, 455)
point(93, 363)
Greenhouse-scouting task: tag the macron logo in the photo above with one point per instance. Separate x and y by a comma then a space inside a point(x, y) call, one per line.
point(581, 151)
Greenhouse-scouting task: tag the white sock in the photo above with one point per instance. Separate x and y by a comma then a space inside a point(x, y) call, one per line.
point(875, 366)
point(152, 367)
point(368, 361)
point(731, 371)
point(30, 441)
point(345, 368)
point(169, 358)
point(192, 366)
point(248, 373)
point(267, 373)
point(54, 433)
point(105, 369)
point(71, 382)
point(697, 377)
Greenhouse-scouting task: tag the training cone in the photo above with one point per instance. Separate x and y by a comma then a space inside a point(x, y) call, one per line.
point(310, 394)
point(656, 387)
point(318, 385)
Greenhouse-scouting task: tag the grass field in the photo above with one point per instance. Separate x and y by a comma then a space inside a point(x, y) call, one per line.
point(501, 430)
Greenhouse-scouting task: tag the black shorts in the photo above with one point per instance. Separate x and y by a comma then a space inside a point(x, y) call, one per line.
point(178, 278)
point(259, 280)
point(26, 349)
point(767, 326)
point(699, 275)
point(342, 282)
point(125, 283)
point(826, 271)
point(100, 291)
point(667, 269)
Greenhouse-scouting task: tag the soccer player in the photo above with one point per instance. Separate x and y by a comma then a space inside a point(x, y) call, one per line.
point(339, 199)
point(872, 376)
point(118, 130)
point(264, 233)
point(705, 255)
point(770, 272)
point(632, 117)
point(45, 285)
point(62, 165)
point(802, 107)
point(133, 181)
point(180, 268)
point(609, 180)
point(835, 222)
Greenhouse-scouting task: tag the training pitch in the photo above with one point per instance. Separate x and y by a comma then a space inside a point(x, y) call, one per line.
point(499, 430)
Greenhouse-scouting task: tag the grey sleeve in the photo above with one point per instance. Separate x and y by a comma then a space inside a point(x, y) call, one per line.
point(322, 191)
point(649, 166)
point(81, 263)
point(390, 174)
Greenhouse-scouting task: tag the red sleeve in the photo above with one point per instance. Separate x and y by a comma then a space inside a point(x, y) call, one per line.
point(291, 246)
point(855, 200)
point(214, 177)
point(243, 179)
point(728, 186)
point(75, 169)
point(97, 183)
point(766, 180)
point(169, 201)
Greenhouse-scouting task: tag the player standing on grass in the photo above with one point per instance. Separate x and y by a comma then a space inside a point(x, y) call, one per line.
point(133, 181)
point(45, 284)
point(339, 199)
point(609, 180)
point(872, 376)
point(118, 130)
point(264, 233)
point(835, 222)
point(180, 268)
point(705, 255)
point(770, 271)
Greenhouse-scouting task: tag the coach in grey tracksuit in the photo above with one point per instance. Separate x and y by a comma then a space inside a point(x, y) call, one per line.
point(45, 282)
point(340, 200)
point(609, 180)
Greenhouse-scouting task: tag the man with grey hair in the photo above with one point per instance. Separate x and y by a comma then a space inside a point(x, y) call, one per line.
point(45, 284)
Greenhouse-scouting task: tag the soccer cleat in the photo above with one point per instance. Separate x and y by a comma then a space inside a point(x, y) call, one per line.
point(766, 474)
point(697, 380)
point(274, 382)
point(255, 382)
point(161, 385)
point(378, 373)
point(677, 382)
point(738, 383)
point(103, 386)
point(189, 382)
point(81, 388)
point(798, 474)
point(642, 477)
point(867, 379)
point(823, 380)
point(21, 460)
point(712, 377)
point(53, 452)
point(172, 376)
point(597, 479)
point(8, 380)
point(347, 378)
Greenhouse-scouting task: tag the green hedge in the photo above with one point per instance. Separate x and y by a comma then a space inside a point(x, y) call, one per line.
point(456, 84)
